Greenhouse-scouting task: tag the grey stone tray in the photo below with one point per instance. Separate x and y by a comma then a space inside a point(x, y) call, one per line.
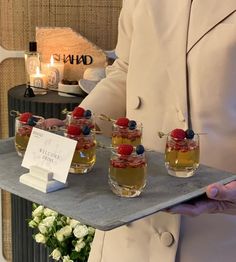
point(89, 198)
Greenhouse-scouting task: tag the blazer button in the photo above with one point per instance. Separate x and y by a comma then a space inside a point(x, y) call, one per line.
point(167, 239)
point(135, 102)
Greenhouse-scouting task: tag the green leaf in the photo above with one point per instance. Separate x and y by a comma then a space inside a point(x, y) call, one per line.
point(34, 206)
point(74, 255)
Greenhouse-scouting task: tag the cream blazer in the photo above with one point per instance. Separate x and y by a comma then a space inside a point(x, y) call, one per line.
point(159, 42)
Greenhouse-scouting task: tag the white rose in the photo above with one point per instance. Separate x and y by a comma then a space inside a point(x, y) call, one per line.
point(68, 220)
point(38, 211)
point(39, 238)
point(80, 231)
point(67, 259)
point(37, 220)
point(59, 236)
point(42, 229)
point(59, 223)
point(49, 212)
point(91, 231)
point(73, 223)
point(56, 254)
point(66, 231)
point(79, 245)
point(32, 224)
point(48, 221)
point(63, 232)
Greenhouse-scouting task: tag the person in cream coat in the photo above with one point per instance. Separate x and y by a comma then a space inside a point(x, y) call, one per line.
point(176, 67)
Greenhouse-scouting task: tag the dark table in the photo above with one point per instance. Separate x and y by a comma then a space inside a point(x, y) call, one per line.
point(49, 105)
point(24, 248)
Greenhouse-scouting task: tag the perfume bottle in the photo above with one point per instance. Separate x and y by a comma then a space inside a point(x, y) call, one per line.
point(32, 60)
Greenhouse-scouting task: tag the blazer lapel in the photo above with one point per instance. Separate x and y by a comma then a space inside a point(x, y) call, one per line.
point(205, 15)
point(171, 25)
point(176, 36)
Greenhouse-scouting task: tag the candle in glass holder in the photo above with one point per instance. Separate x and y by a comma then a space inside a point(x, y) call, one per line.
point(38, 82)
point(55, 73)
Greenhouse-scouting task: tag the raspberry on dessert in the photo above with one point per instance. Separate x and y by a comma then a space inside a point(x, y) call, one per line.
point(125, 149)
point(140, 149)
point(122, 121)
point(189, 134)
point(132, 124)
point(78, 112)
point(24, 117)
point(178, 134)
point(73, 130)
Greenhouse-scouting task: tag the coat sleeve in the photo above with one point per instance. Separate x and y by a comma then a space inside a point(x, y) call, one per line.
point(109, 95)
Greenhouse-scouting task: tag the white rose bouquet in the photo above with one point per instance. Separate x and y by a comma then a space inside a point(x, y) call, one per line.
point(67, 239)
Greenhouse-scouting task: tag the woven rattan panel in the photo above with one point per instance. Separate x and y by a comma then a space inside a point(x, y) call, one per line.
point(95, 19)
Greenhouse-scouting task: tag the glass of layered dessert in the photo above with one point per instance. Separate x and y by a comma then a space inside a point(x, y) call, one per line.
point(84, 156)
point(125, 131)
point(24, 124)
point(182, 153)
point(127, 170)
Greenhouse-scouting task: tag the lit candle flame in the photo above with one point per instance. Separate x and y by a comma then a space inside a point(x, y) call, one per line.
point(51, 60)
point(37, 71)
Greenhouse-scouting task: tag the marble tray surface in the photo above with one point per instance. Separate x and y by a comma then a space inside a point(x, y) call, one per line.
point(89, 198)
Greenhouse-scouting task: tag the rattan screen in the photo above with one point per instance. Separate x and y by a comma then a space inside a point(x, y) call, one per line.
point(95, 19)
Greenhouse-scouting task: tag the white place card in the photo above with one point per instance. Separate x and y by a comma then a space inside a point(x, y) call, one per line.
point(51, 152)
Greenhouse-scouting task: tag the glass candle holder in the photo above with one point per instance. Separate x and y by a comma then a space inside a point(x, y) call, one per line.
point(127, 173)
point(130, 134)
point(23, 129)
point(182, 156)
point(84, 156)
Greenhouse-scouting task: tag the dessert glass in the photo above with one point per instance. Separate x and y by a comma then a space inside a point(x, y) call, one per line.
point(182, 156)
point(127, 173)
point(22, 133)
point(84, 156)
point(125, 135)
